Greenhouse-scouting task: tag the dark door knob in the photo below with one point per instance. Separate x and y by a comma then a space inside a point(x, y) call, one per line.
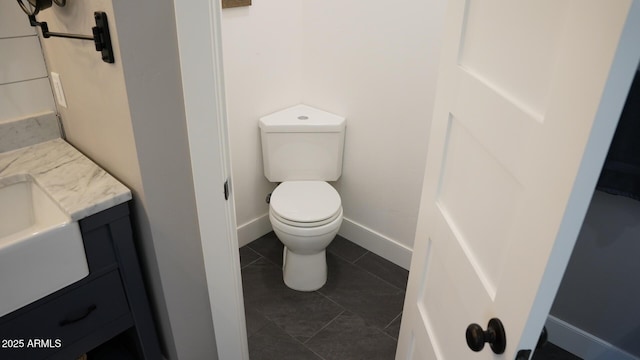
point(494, 335)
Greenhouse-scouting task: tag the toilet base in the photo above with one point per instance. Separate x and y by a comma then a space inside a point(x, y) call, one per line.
point(304, 272)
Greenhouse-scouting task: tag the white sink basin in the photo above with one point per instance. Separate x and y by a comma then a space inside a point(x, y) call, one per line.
point(41, 249)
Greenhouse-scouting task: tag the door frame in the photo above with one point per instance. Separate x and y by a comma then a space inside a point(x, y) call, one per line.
point(205, 109)
point(200, 55)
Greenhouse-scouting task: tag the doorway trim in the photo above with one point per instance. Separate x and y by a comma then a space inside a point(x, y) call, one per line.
point(203, 86)
point(200, 51)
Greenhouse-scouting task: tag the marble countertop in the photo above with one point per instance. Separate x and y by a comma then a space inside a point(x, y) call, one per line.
point(76, 183)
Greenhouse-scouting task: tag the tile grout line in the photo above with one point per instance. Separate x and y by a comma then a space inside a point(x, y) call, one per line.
point(330, 299)
point(313, 352)
point(322, 328)
point(355, 263)
point(360, 257)
point(317, 332)
point(383, 280)
point(394, 319)
point(250, 248)
point(253, 251)
point(389, 336)
point(266, 258)
point(378, 277)
point(296, 339)
point(251, 263)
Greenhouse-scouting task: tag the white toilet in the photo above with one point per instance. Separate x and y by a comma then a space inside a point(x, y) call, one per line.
point(302, 148)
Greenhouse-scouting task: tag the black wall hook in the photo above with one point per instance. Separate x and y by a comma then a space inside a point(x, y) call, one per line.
point(101, 36)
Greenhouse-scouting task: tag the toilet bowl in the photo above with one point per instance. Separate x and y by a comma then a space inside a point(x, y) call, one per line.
point(305, 216)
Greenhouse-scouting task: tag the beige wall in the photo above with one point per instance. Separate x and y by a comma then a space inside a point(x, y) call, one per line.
point(129, 118)
point(97, 110)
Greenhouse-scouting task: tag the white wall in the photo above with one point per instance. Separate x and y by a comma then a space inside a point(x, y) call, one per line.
point(375, 62)
point(153, 80)
point(129, 118)
point(372, 61)
point(263, 68)
point(24, 87)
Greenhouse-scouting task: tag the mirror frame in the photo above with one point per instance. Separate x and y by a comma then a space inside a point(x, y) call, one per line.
point(36, 5)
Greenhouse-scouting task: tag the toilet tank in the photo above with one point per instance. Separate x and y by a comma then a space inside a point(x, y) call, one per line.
point(302, 143)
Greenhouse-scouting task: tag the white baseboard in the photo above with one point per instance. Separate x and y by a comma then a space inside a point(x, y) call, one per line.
point(582, 343)
point(377, 243)
point(253, 229)
point(369, 239)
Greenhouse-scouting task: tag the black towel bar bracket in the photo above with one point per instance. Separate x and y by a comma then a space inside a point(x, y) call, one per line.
point(101, 36)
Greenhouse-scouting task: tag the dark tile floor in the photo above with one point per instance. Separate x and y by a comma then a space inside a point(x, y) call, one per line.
point(356, 315)
point(551, 352)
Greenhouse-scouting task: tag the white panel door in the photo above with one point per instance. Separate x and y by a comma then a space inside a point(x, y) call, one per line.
point(521, 125)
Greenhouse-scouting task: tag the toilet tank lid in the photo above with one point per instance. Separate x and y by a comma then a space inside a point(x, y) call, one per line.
point(302, 118)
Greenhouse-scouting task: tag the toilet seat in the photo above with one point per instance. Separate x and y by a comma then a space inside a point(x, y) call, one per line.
point(305, 203)
point(305, 224)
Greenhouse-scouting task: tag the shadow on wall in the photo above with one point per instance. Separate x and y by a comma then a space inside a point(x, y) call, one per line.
point(597, 294)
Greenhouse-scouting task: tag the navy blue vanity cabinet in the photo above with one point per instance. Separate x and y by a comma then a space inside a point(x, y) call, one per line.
point(110, 301)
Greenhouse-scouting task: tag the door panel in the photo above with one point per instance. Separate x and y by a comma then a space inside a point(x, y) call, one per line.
point(487, 49)
point(472, 179)
point(520, 86)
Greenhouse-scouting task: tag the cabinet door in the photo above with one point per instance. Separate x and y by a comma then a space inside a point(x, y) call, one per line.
point(95, 311)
